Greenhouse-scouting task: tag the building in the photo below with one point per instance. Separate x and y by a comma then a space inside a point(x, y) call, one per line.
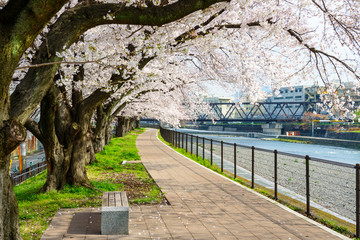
point(307, 94)
point(288, 94)
point(220, 109)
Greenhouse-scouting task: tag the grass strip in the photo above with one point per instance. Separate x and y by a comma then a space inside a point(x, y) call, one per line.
point(108, 174)
point(290, 140)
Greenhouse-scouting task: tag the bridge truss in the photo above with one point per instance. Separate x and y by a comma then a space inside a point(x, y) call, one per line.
point(258, 112)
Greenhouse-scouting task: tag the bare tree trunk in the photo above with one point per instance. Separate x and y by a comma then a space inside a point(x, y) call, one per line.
point(100, 130)
point(9, 213)
point(137, 122)
point(121, 127)
point(100, 140)
point(131, 124)
point(126, 126)
point(77, 175)
point(107, 134)
point(57, 154)
point(12, 133)
point(90, 148)
point(57, 159)
point(92, 152)
point(66, 143)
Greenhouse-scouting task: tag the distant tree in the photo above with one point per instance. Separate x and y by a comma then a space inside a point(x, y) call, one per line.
point(309, 117)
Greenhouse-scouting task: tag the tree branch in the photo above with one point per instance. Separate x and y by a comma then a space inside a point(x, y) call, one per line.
point(71, 25)
point(60, 62)
point(33, 127)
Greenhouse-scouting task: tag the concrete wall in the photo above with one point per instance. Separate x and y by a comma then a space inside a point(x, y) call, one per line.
point(229, 128)
point(326, 141)
point(343, 135)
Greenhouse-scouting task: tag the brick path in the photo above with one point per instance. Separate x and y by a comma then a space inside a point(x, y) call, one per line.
point(204, 205)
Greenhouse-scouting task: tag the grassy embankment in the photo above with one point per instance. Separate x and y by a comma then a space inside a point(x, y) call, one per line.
point(326, 219)
point(108, 174)
point(290, 140)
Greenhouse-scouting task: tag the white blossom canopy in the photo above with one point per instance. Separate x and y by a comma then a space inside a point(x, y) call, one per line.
point(248, 45)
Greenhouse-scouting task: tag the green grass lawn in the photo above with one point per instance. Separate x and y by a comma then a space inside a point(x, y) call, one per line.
point(108, 174)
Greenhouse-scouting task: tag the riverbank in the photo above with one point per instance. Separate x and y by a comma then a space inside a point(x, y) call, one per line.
point(311, 140)
point(326, 141)
point(331, 186)
point(287, 140)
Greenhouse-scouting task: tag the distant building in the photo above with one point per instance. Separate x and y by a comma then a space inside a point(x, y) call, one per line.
point(222, 108)
point(306, 94)
point(288, 94)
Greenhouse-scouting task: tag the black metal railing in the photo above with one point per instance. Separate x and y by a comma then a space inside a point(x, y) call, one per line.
point(333, 185)
point(26, 173)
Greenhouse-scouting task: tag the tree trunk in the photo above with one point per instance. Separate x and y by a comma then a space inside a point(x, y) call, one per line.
point(57, 154)
point(107, 134)
point(131, 124)
point(90, 148)
point(126, 126)
point(121, 127)
point(92, 155)
point(100, 130)
point(100, 139)
point(137, 123)
point(57, 160)
point(9, 213)
point(77, 175)
point(12, 133)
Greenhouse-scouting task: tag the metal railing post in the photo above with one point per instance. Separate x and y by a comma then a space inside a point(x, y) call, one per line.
point(252, 167)
point(307, 158)
point(203, 148)
point(234, 160)
point(275, 175)
point(222, 156)
point(182, 140)
point(197, 146)
point(191, 146)
point(186, 138)
point(176, 139)
point(173, 137)
point(211, 151)
point(357, 189)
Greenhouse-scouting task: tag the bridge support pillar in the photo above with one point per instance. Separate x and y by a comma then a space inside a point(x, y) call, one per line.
point(272, 128)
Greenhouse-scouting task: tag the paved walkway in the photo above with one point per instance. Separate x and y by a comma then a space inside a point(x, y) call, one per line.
point(204, 205)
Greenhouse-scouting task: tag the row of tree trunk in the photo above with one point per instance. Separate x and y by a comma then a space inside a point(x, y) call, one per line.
point(70, 141)
point(125, 125)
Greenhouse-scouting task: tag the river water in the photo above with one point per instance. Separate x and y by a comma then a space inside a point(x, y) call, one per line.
point(337, 154)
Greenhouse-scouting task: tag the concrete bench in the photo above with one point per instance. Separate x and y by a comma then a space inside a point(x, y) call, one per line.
point(114, 214)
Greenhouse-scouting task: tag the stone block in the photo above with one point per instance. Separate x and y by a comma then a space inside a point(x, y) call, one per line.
point(115, 221)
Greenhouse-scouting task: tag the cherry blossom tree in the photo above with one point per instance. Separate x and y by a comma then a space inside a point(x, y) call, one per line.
point(82, 88)
point(20, 25)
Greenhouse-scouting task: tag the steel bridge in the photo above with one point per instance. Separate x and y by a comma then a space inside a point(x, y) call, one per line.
point(258, 112)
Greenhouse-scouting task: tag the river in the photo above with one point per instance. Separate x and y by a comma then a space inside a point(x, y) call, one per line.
point(337, 154)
